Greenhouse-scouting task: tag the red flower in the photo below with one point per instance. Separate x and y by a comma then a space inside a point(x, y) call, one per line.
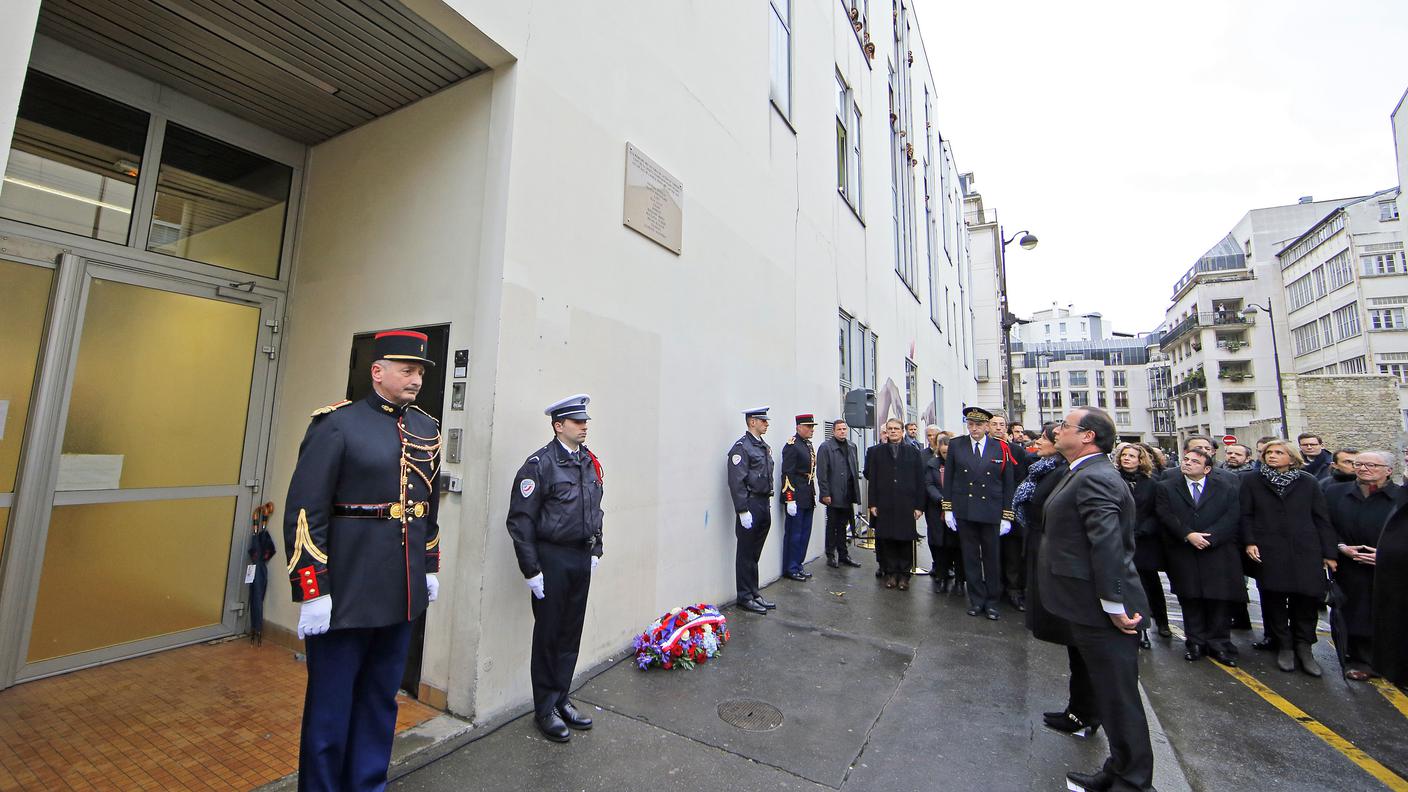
point(677, 651)
point(668, 665)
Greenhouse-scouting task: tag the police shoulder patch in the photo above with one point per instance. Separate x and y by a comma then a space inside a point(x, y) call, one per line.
point(526, 487)
point(329, 408)
point(737, 458)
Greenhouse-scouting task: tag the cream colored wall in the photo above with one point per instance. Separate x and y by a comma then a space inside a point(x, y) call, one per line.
point(16, 38)
point(391, 236)
point(672, 348)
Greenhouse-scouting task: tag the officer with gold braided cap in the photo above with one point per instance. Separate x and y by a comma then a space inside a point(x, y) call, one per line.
point(363, 544)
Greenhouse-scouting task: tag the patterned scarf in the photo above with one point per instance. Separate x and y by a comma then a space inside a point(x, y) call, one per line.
point(1027, 488)
point(1280, 481)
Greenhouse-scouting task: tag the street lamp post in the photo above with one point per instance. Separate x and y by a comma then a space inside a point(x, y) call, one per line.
point(1251, 310)
point(1007, 321)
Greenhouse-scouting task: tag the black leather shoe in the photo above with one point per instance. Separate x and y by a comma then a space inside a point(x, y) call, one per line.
point(1164, 631)
point(765, 603)
point(1223, 657)
point(959, 587)
point(1069, 723)
point(1090, 782)
point(1144, 640)
point(1194, 653)
point(975, 611)
point(573, 718)
point(993, 614)
point(796, 576)
point(1020, 603)
point(553, 728)
point(752, 606)
point(1264, 645)
point(847, 561)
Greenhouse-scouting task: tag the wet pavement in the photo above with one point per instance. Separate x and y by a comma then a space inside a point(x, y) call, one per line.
point(889, 690)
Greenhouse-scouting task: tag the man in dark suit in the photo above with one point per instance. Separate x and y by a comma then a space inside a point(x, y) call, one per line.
point(838, 485)
point(896, 495)
point(1012, 545)
point(979, 481)
point(1087, 577)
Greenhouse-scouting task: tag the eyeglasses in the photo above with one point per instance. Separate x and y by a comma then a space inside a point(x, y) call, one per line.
point(1367, 465)
point(1077, 427)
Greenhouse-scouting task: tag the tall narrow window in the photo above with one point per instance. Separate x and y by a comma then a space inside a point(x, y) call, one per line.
point(780, 20)
point(911, 390)
point(847, 144)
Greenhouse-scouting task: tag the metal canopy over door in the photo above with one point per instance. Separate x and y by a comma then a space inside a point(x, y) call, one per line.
point(146, 482)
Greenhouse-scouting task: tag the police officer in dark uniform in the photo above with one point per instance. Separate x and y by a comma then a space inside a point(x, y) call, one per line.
point(799, 493)
point(979, 481)
point(554, 518)
point(750, 487)
point(363, 545)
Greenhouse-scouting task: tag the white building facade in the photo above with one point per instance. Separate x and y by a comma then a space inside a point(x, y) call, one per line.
point(990, 350)
point(1054, 325)
point(243, 230)
point(1111, 374)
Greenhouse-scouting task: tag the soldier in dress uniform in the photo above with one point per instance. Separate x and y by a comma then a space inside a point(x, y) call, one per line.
point(750, 487)
point(554, 518)
point(799, 493)
point(363, 544)
point(979, 481)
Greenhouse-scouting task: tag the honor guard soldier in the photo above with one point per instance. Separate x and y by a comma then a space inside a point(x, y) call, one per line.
point(750, 487)
point(554, 518)
point(799, 493)
point(979, 481)
point(363, 545)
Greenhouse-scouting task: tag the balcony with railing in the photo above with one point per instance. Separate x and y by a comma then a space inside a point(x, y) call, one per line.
point(1203, 319)
point(1193, 382)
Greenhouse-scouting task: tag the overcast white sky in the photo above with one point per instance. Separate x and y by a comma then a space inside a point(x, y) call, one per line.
point(1130, 137)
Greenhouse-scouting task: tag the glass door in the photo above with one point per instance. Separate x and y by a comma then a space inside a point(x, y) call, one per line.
point(158, 445)
point(26, 288)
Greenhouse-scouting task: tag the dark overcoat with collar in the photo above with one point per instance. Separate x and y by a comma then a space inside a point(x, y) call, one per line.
point(1214, 572)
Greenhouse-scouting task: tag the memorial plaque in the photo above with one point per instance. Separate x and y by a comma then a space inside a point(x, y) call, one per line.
point(654, 204)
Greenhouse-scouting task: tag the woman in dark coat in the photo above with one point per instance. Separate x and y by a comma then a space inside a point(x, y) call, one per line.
point(1391, 595)
point(1203, 553)
point(895, 471)
point(1286, 529)
point(947, 570)
point(1137, 468)
point(1358, 511)
point(1044, 473)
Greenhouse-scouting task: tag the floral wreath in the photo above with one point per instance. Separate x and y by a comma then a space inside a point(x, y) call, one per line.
point(682, 638)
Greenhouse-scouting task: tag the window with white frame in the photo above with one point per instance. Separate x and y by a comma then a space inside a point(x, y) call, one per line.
point(911, 390)
point(1300, 293)
point(847, 144)
point(938, 402)
point(1116, 359)
point(1080, 379)
point(1354, 365)
point(1099, 378)
point(1388, 210)
point(1386, 319)
point(1119, 379)
point(1399, 370)
point(1080, 398)
point(1317, 276)
point(1327, 330)
point(1390, 263)
point(1306, 338)
point(1347, 321)
point(1100, 399)
point(858, 11)
point(780, 29)
point(1121, 399)
point(1122, 418)
point(1341, 270)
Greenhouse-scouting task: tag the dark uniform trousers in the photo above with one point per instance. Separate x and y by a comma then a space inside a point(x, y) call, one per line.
point(1207, 623)
point(750, 546)
point(797, 534)
point(557, 622)
point(1112, 662)
point(349, 709)
point(981, 562)
point(838, 522)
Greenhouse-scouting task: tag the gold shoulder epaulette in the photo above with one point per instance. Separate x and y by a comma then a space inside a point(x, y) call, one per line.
point(792, 440)
point(330, 408)
point(426, 414)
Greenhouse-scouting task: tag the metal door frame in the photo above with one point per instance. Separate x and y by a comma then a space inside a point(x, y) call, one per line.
point(39, 462)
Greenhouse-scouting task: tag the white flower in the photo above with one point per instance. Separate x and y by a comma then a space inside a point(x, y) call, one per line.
point(708, 628)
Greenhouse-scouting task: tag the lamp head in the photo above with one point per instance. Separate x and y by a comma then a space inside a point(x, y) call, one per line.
point(1028, 241)
point(1249, 310)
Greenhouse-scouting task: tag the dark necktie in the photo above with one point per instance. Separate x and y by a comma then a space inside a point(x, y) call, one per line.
point(1197, 492)
point(977, 448)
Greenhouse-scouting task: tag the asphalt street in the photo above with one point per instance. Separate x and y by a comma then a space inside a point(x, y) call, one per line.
point(888, 690)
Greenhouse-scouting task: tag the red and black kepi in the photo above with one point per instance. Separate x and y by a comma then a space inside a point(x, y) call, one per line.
point(403, 345)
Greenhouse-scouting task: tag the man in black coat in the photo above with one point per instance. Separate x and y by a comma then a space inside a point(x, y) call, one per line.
point(1011, 546)
point(838, 484)
point(895, 471)
point(1358, 510)
point(799, 497)
point(1201, 518)
point(979, 481)
point(1087, 577)
point(1317, 457)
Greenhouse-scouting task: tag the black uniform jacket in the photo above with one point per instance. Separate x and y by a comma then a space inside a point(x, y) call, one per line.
point(1292, 532)
point(1214, 572)
point(976, 489)
point(1088, 553)
point(799, 473)
point(896, 489)
point(838, 473)
point(749, 471)
point(1358, 520)
point(350, 529)
point(557, 501)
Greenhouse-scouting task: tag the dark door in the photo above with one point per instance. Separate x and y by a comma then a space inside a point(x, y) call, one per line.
point(432, 400)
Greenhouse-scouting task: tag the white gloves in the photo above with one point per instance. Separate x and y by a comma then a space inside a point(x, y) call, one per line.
point(432, 586)
point(950, 521)
point(745, 519)
point(535, 585)
point(314, 616)
point(1004, 528)
point(791, 508)
point(596, 561)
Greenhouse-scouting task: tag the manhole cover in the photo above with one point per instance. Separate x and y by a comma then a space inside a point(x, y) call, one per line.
point(749, 715)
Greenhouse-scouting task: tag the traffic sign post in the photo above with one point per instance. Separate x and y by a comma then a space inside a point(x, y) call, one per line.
point(1228, 440)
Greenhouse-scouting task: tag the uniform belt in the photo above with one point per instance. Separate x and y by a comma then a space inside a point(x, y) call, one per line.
point(381, 511)
point(589, 543)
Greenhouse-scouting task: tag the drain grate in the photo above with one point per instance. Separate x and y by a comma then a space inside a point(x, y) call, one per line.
point(750, 715)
